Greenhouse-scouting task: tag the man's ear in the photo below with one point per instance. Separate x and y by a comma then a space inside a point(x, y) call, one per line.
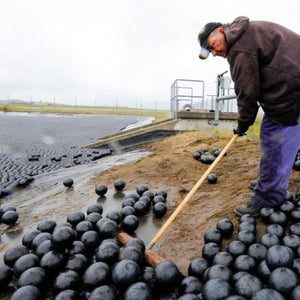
point(220, 29)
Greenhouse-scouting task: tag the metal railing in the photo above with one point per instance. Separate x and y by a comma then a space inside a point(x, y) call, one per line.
point(195, 97)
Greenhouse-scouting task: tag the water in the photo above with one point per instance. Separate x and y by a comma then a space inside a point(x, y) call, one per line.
point(35, 143)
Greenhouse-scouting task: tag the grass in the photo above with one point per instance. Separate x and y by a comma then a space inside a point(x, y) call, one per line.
point(68, 109)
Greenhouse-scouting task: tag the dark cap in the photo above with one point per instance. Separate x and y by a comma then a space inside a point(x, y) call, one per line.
point(203, 38)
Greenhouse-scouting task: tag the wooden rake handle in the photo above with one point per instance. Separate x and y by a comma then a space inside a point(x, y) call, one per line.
point(190, 194)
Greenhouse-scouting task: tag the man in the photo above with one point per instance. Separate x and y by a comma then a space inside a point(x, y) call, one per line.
point(264, 60)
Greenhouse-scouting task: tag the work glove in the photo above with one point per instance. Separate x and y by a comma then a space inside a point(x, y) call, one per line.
point(239, 132)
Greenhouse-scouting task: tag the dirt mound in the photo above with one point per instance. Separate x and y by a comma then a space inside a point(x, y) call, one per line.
point(172, 167)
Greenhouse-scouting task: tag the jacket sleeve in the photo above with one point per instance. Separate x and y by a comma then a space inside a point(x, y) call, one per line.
point(244, 69)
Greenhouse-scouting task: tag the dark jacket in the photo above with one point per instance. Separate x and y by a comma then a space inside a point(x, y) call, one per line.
point(264, 61)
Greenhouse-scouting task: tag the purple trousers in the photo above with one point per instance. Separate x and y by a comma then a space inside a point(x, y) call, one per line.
point(279, 146)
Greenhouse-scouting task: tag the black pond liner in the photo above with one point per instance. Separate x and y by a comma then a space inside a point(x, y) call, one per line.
point(140, 139)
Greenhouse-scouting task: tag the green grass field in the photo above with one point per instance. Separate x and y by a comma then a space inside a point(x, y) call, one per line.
point(68, 109)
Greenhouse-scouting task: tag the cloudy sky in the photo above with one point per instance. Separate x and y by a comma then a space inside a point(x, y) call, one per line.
point(115, 52)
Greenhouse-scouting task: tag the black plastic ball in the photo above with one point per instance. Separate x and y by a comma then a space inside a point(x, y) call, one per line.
point(119, 184)
point(28, 292)
point(68, 182)
point(167, 275)
point(96, 275)
point(125, 273)
point(101, 189)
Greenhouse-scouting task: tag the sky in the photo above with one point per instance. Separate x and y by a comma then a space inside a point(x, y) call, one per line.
point(116, 52)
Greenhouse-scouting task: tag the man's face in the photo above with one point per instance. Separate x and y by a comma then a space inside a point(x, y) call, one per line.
point(216, 43)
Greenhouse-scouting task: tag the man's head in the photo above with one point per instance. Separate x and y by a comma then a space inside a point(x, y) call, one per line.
point(212, 39)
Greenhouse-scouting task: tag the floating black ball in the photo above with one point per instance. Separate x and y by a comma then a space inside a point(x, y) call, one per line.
point(207, 159)
point(125, 273)
point(257, 251)
point(247, 237)
point(265, 214)
point(127, 211)
point(12, 254)
point(149, 194)
point(101, 189)
point(40, 238)
point(67, 280)
point(141, 189)
point(209, 250)
point(140, 208)
point(90, 239)
point(276, 229)
point(132, 253)
point(267, 294)
point(115, 215)
point(226, 227)
point(93, 217)
point(33, 276)
point(295, 295)
point(244, 262)
point(68, 294)
point(159, 209)
point(128, 202)
point(43, 248)
point(62, 237)
point(212, 178)
point(223, 258)
point(28, 237)
point(197, 155)
point(108, 252)
point(286, 207)
point(130, 223)
point(106, 228)
point(52, 262)
point(68, 182)
point(46, 226)
point(10, 217)
point(216, 289)
point(28, 292)
point(158, 198)
point(279, 256)
point(6, 276)
point(263, 271)
point(237, 248)
point(167, 275)
point(213, 235)
point(76, 248)
point(247, 226)
point(295, 214)
point(295, 229)
point(292, 241)
point(96, 207)
point(247, 285)
point(96, 275)
point(283, 280)
point(78, 263)
point(83, 227)
point(161, 192)
point(219, 271)
point(104, 292)
point(197, 267)
point(119, 184)
point(138, 290)
point(278, 217)
point(269, 240)
point(25, 262)
point(136, 242)
point(75, 217)
point(190, 284)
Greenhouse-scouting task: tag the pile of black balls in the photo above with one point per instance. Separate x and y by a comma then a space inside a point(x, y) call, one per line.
point(207, 155)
